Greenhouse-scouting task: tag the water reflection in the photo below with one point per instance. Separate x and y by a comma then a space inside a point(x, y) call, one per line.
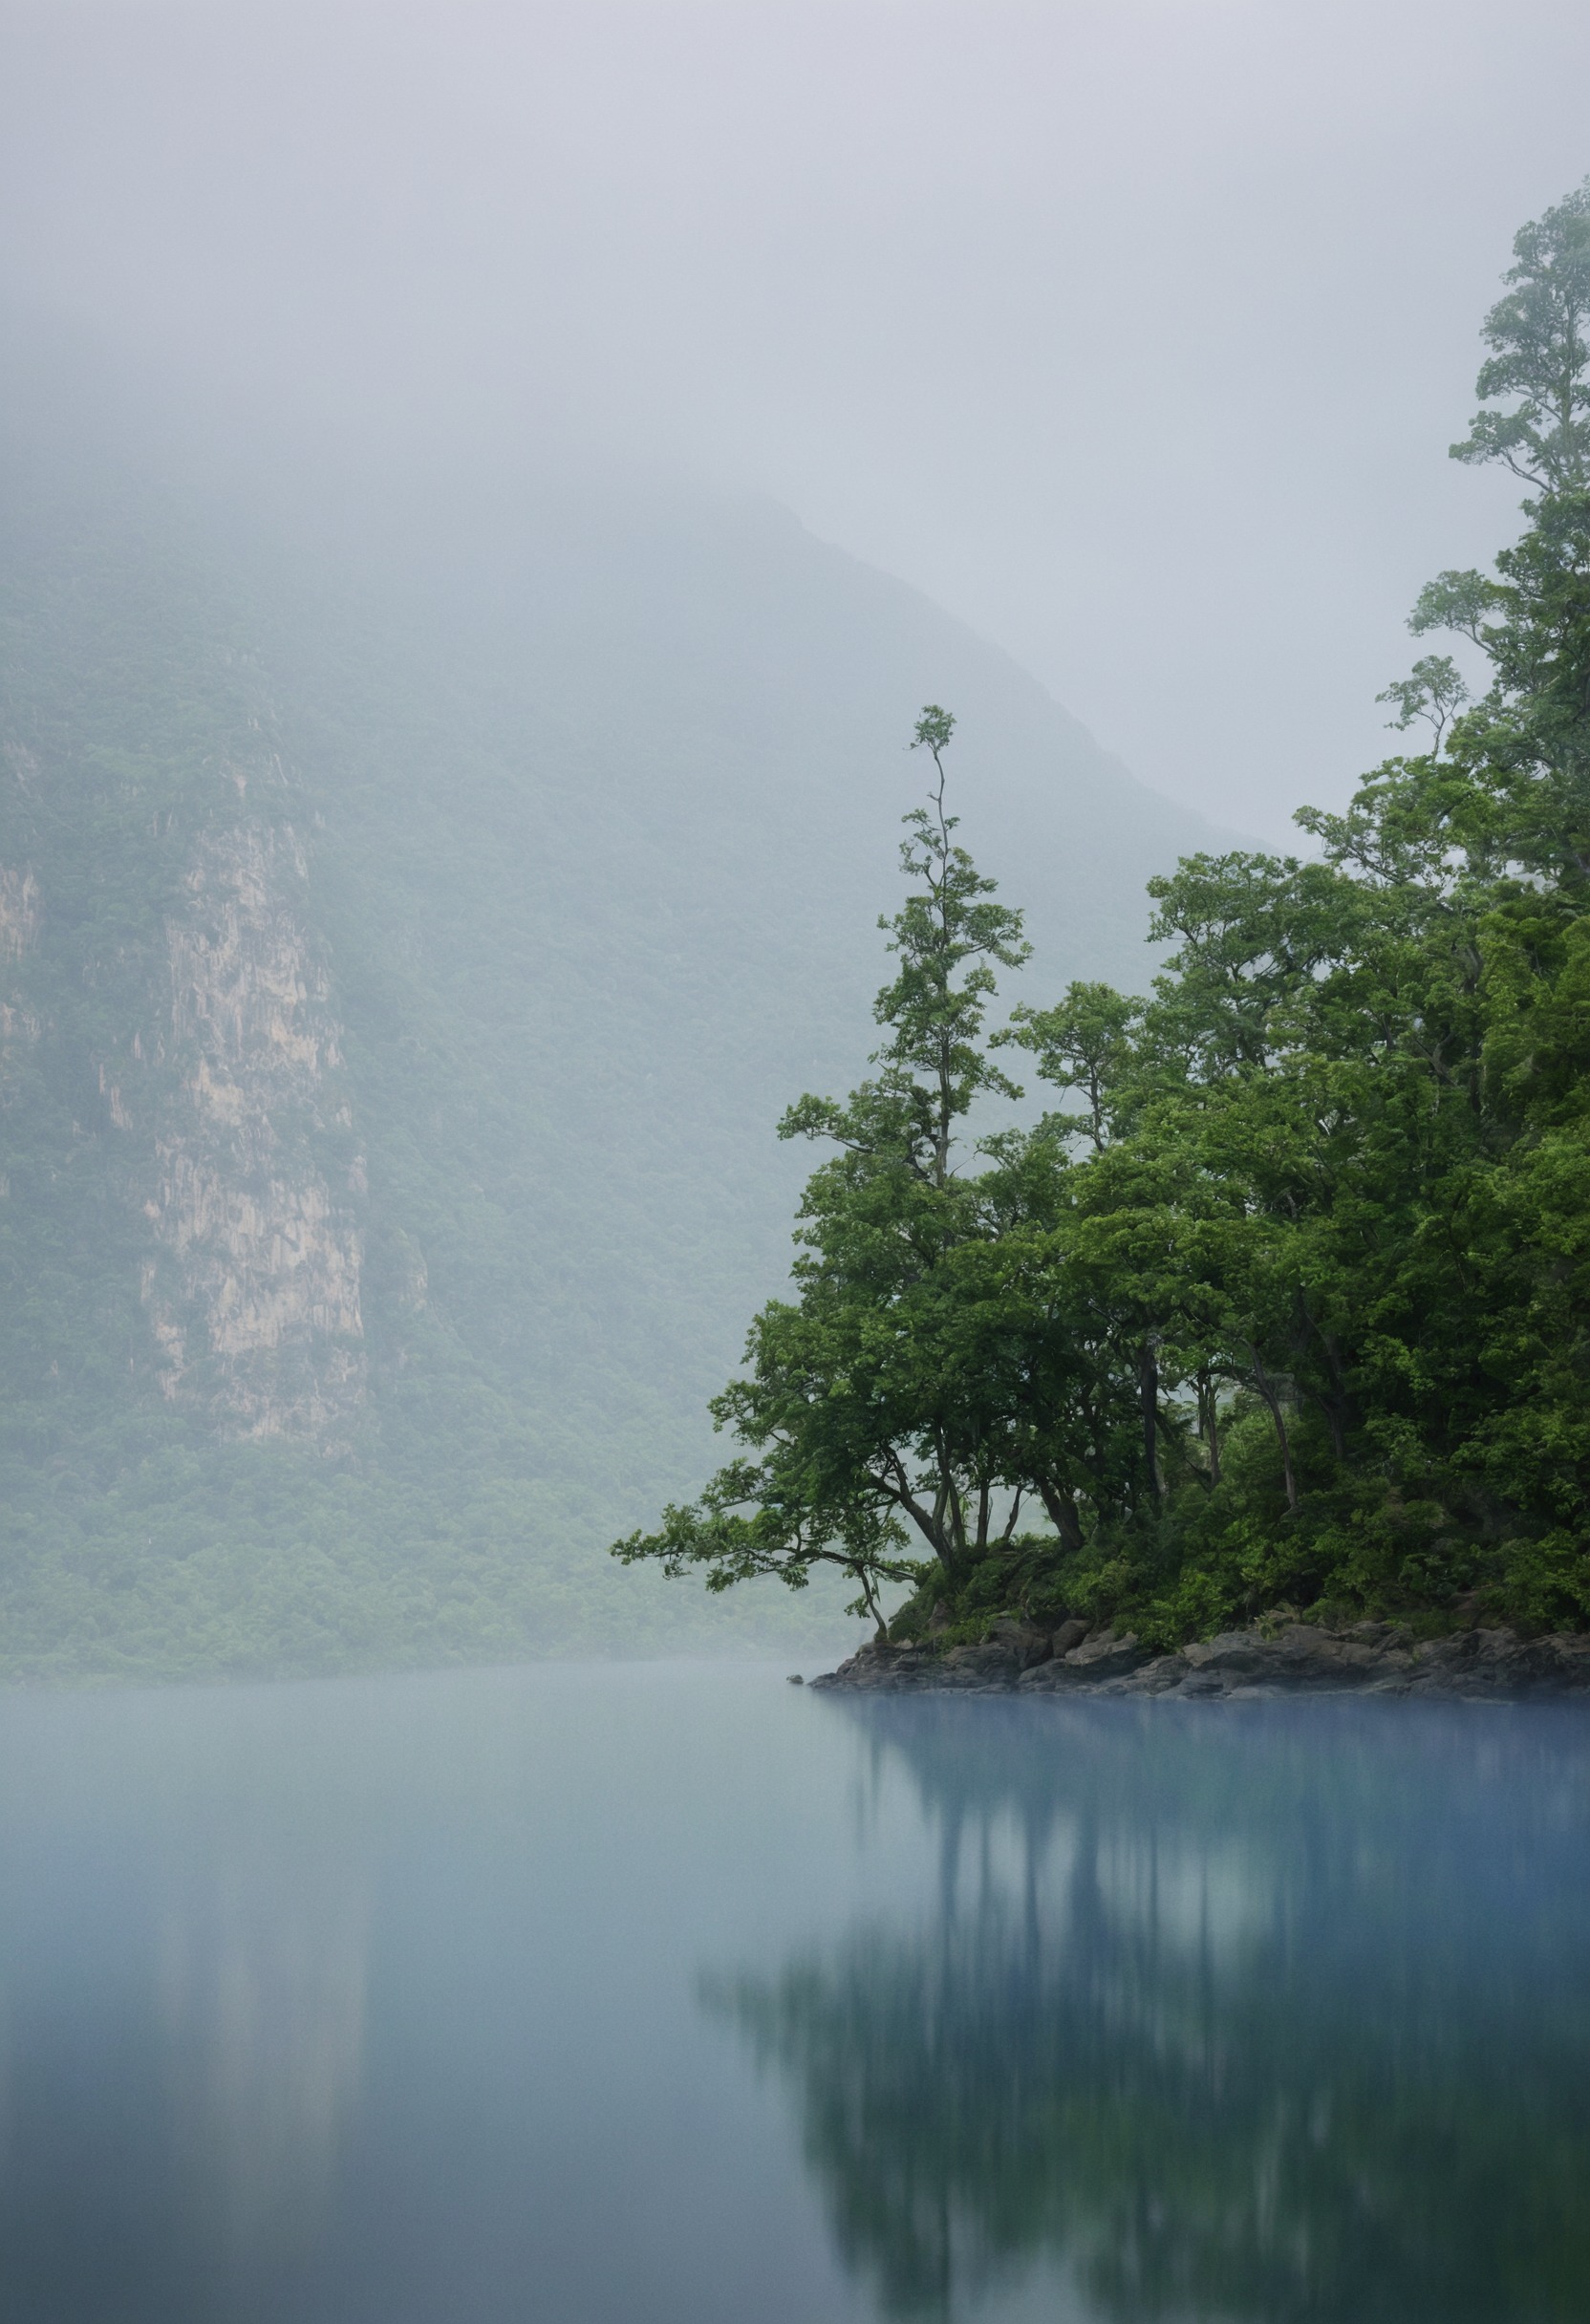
point(376, 2004)
point(184, 2066)
point(262, 2000)
point(1276, 2016)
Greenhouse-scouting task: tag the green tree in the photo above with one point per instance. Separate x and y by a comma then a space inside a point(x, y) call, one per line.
point(1539, 341)
point(859, 1411)
point(1082, 1044)
point(1296, 1304)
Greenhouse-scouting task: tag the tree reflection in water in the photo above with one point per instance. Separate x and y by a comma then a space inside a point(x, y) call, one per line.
point(1271, 2014)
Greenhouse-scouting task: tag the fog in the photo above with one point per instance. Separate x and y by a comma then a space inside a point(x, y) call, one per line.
point(361, 2002)
point(1133, 333)
point(489, 493)
point(488, 488)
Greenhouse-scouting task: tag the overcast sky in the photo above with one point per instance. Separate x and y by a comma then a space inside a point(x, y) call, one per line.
point(1133, 331)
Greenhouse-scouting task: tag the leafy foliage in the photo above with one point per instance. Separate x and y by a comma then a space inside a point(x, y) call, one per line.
point(851, 1403)
point(1297, 1307)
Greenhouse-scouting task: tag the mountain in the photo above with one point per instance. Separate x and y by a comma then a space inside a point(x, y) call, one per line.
point(416, 911)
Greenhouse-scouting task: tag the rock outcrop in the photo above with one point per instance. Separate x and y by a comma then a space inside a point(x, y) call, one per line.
point(171, 1083)
point(19, 919)
point(1295, 1657)
point(254, 1290)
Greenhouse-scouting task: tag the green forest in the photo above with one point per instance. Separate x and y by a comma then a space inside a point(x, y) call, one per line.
point(1285, 1303)
point(553, 830)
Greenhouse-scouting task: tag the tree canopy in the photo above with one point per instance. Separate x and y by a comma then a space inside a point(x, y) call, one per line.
point(1288, 1301)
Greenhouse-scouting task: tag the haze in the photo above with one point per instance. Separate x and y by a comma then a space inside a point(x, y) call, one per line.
point(1133, 333)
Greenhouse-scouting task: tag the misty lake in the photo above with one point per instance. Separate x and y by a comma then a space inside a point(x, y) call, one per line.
point(665, 1995)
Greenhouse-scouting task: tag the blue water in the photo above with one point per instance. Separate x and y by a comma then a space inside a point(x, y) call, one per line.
point(667, 1995)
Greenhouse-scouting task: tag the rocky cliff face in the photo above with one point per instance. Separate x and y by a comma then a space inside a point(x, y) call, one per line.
point(252, 1291)
point(18, 911)
point(19, 914)
point(174, 1060)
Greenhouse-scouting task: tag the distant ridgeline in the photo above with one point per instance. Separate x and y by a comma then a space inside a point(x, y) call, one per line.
point(408, 939)
point(1289, 1306)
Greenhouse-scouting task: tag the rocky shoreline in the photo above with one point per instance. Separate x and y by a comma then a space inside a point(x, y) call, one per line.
point(1265, 1660)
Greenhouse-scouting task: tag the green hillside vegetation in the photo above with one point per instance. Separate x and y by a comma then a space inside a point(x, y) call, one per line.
point(1289, 1304)
point(578, 802)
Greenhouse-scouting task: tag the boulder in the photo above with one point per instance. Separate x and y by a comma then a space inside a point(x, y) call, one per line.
point(1056, 1676)
point(1441, 1653)
point(1019, 1639)
point(1202, 1682)
point(884, 1669)
point(1561, 1661)
point(1105, 1655)
point(1069, 1634)
point(1304, 1655)
point(1165, 1673)
point(1494, 1661)
point(992, 1664)
point(1235, 1655)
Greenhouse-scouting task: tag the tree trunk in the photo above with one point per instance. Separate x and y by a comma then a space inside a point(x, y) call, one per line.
point(1265, 1388)
point(1209, 1422)
point(1062, 1515)
point(870, 1600)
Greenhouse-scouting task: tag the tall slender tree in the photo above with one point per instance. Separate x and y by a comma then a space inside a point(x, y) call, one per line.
point(862, 1429)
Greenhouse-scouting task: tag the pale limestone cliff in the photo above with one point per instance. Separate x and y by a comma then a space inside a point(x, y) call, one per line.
point(19, 924)
point(252, 1291)
point(214, 1053)
point(19, 911)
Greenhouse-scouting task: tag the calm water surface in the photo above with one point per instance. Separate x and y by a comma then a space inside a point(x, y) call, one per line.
point(672, 1996)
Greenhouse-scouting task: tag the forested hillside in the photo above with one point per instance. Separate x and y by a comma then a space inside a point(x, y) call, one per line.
point(415, 915)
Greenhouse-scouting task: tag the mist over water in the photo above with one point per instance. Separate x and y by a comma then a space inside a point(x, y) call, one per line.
point(667, 1992)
